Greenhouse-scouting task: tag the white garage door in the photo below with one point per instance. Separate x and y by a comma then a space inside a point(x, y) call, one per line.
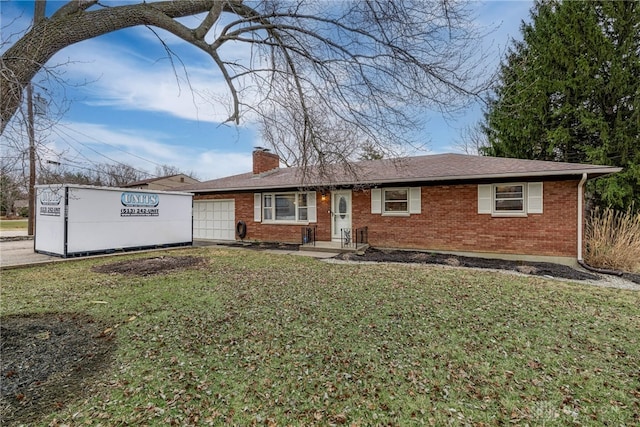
point(214, 219)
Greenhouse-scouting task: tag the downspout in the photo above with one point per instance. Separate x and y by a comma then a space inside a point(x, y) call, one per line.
point(580, 215)
point(580, 222)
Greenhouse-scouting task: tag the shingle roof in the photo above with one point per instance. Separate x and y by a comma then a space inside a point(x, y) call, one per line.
point(430, 168)
point(150, 180)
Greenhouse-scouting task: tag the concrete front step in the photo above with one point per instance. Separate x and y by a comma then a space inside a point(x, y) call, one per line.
point(334, 247)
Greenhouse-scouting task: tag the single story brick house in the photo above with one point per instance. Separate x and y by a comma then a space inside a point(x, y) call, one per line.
point(451, 203)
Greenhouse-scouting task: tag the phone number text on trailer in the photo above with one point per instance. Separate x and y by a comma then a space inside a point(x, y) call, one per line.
point(139, 212)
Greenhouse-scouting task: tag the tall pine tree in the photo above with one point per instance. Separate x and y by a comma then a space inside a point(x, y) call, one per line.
point(570, 91)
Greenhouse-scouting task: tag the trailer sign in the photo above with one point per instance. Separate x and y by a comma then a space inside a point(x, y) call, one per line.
point(139, 204)
point(50, 210)
point(139, 212)
point(49, 197)
point(130, 199)
point(49, 203)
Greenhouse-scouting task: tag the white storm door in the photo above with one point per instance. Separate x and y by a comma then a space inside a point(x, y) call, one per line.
point(340, 214)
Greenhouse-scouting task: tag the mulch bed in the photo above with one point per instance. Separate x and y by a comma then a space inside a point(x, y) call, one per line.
point(525, 267)
point(261, 246)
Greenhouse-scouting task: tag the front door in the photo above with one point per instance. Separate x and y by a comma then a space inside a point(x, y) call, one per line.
point(341, 215)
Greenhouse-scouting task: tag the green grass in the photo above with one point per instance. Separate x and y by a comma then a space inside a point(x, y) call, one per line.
point(13, 224)
point(255, 338)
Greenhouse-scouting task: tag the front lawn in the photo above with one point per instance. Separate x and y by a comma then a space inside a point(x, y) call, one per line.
point(254, 338)
point(14, 224)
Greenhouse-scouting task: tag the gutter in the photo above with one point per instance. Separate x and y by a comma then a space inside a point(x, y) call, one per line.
point(254, 186)
point(600, 270)
point(581, 215)
point(580, 237)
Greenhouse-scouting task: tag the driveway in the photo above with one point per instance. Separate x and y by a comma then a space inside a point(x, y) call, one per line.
point(20, 252)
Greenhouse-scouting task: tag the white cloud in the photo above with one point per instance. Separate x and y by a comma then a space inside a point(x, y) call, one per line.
point(88, 144)
point(124, 140)
point(125, 73)
point(216, 164)
point(120, 77)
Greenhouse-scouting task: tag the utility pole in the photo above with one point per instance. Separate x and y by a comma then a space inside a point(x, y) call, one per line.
point(38, 15)
point(32, 161)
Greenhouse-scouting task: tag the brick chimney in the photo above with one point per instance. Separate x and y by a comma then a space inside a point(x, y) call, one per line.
point(263, 161)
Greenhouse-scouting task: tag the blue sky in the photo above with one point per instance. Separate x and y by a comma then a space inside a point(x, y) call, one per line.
point(128, 107)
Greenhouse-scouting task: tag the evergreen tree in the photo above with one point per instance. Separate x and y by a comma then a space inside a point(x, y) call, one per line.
point(570, 91)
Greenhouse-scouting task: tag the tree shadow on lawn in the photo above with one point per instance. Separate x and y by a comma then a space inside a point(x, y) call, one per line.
point(47, 361)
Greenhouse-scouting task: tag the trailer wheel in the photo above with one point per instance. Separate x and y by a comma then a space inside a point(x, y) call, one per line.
point(241, 229)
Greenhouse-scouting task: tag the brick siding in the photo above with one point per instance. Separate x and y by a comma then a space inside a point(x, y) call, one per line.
point(264, 161)
point(449, 221)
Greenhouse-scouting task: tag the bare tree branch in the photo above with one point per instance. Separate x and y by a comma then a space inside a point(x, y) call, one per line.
point(211, 18)
point(369, 69)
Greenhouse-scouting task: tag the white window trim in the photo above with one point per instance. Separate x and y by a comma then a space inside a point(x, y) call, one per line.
point(311, 208)
point(384, 202)
point(414, 202)
point(532, 199)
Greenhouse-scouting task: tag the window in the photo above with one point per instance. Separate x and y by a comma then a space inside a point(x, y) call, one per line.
point(268, 207)
point(509, 198)
point(396, 200)
point(302, 206)
point(287, 207)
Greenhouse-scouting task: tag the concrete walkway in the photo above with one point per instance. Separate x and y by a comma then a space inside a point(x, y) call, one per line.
point(17, 250)
point(13, 233)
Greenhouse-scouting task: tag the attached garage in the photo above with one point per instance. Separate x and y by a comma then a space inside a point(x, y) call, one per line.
point(214, 219)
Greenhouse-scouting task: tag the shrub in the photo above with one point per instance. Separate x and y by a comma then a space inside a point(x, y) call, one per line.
point(613, 239)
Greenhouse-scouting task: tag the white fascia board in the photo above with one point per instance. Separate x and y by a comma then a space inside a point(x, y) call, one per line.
point(577, 172)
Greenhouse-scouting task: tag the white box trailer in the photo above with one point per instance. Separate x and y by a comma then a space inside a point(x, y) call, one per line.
point(74, 220)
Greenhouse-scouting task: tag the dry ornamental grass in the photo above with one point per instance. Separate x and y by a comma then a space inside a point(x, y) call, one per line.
point(613, 240)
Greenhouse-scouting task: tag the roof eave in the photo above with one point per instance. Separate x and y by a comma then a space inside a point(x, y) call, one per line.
point(591, 173)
